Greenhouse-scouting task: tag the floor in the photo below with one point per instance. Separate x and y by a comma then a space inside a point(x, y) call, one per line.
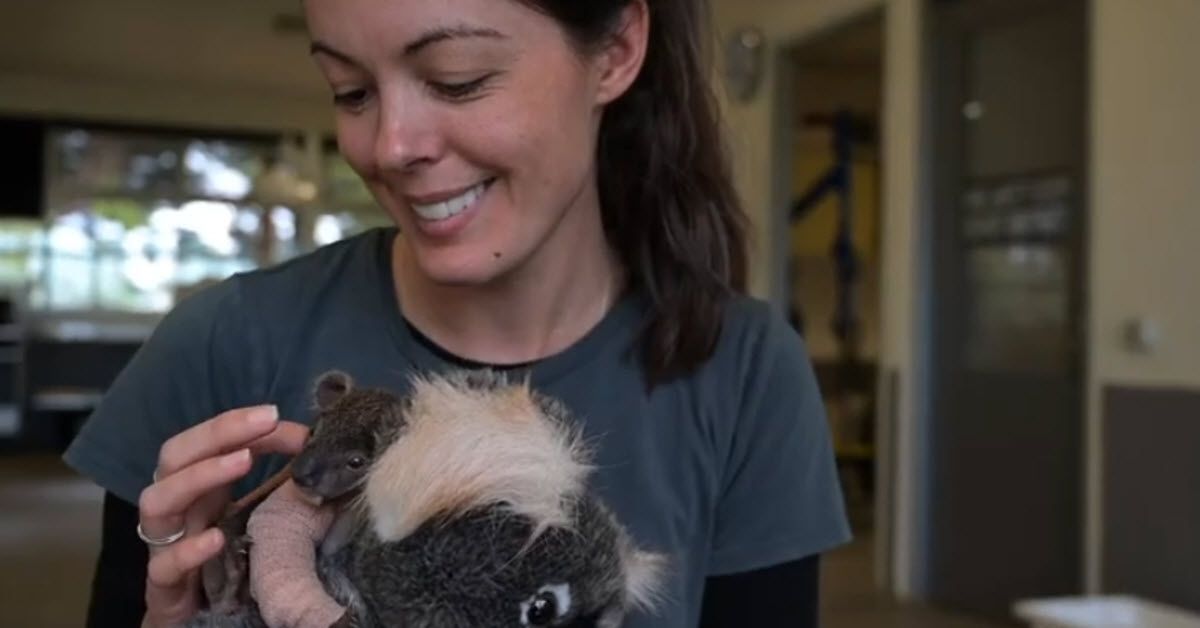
point(849, 599)
point(49, 536)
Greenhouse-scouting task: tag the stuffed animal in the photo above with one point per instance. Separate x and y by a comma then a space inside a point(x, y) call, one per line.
point(462, 504)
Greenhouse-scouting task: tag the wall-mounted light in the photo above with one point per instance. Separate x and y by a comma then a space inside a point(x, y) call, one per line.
point(744, 62)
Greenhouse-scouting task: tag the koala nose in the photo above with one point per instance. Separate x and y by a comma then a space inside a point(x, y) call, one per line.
point(305, 472)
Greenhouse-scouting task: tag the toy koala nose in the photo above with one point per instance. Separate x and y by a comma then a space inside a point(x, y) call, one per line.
point(305, 472)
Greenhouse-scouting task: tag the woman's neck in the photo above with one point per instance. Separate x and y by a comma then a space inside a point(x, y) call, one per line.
point(534, 312)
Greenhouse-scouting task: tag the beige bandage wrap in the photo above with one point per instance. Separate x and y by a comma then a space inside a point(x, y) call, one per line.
point(285, 530)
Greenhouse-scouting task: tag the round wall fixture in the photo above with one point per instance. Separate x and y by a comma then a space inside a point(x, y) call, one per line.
point(744, 56)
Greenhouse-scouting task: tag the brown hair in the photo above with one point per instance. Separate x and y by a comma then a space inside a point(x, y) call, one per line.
point(666, 192)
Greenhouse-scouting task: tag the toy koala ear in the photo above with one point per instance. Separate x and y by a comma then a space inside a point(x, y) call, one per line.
point(644, 578)
point(332, 386)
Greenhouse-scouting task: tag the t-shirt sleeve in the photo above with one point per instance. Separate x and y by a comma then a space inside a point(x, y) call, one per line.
point(780, 497)
point(188, 370)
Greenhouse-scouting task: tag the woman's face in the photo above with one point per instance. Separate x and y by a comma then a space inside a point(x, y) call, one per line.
point(473, 123)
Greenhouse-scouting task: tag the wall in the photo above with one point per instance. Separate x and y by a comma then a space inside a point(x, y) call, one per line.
point(1145, 216)
point(1146, 188)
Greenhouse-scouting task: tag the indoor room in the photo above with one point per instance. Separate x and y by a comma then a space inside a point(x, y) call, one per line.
point(952, 354)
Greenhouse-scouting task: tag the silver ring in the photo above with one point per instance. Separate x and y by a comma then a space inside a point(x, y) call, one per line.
point(163, 542)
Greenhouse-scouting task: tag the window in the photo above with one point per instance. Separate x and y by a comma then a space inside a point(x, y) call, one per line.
point(134, 220)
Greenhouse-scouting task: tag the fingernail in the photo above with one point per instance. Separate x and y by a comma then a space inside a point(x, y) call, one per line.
point(264, 415)
point(237, 458)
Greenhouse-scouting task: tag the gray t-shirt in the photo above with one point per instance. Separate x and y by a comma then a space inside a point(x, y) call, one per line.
point(728, 470)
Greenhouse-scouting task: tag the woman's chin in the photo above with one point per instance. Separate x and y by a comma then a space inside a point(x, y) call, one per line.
point(458, 272)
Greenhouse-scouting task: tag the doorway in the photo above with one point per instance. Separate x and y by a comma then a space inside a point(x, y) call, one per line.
point(834, 235)
point(832, 243)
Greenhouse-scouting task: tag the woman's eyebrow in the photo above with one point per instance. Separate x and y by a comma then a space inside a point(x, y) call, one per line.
point(321, 47)
point(426, 39)
point(444, 33)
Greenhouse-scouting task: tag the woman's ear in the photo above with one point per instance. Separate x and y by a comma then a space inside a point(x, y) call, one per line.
point(620, 60)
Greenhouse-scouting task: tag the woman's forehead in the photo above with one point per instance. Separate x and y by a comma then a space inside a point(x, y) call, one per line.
point(406, 26)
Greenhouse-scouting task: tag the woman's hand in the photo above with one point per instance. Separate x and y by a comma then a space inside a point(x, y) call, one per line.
point(196, 470)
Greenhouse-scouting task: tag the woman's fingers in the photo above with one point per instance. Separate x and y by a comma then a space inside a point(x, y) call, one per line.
point(171, 566)
point(286, 438)
point(171, 591)
point(225, 432)
point(162, 505)
point(196, 469)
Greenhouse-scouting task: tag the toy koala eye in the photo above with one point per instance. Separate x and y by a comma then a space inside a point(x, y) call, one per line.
point(542, 609)
point(356, 462)
point(551, 603)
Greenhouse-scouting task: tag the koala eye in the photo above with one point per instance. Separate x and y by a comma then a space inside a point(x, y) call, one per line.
point(356, 462)
point(551, 603)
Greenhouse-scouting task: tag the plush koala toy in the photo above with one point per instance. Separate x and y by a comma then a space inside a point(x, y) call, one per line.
point(461, 504)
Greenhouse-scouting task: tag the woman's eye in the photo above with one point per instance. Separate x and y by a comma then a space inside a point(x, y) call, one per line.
point(459, 91)
point(352, 99)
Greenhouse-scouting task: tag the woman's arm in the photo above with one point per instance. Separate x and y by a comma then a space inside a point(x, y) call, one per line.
point(780, 595)
point(119, 583)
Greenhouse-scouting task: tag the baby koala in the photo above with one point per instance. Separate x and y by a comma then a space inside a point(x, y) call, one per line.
point(348, 433)
point(265, 576)
point(462, 504)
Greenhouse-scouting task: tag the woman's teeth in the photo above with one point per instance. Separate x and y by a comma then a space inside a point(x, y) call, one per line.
point(450, 207)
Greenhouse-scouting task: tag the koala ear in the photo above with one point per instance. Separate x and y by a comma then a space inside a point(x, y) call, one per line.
point(332, 386)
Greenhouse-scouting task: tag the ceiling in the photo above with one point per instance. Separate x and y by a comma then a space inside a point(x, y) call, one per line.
point(228, 43)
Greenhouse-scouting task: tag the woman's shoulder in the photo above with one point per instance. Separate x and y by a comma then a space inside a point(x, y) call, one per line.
point(756, 330)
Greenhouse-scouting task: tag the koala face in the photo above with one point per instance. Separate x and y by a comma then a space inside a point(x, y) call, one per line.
point(485, 569)
point(350, 428)
point(328, 471)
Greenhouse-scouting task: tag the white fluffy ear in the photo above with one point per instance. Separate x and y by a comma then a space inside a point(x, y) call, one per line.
point(645, 573)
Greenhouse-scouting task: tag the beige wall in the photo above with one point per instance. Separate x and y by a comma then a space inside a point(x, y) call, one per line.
point(1146, 187)
point(1145, 206)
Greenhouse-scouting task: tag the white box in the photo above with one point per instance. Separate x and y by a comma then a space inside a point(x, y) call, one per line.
point(1113, 611)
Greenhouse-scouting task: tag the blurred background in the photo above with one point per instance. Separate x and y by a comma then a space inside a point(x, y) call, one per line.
point(982, 215)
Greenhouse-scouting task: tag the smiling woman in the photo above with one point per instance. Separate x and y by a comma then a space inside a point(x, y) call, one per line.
point(564, 211)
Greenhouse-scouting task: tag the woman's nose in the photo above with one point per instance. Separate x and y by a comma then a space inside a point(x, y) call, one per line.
point(405, 138)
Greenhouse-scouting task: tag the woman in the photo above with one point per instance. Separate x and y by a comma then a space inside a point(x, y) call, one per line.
point(563, 209)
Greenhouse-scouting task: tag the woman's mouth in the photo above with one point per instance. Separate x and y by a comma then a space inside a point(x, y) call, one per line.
point(452, 206)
